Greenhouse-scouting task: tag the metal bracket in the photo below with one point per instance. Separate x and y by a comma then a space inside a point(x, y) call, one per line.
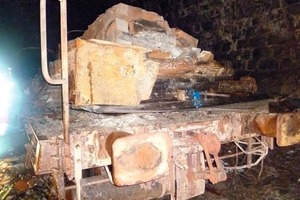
point(211, 146)
point(78, 169)
point(58, 170)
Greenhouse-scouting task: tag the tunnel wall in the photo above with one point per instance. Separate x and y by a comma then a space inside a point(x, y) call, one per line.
point(260, 38)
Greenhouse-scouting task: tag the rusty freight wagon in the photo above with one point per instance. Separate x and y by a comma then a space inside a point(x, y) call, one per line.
point(145, 112)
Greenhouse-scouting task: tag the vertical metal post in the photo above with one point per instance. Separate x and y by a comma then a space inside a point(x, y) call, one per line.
point(65, 85)
point(78, 170)
point(64, 82)
point(58, 171)
point(249, 149)
point(65, 69)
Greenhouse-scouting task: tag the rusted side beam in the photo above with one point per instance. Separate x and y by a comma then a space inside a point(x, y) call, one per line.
point(265, 124)
point(288, 129)
point(285, 127)
point(233, 126)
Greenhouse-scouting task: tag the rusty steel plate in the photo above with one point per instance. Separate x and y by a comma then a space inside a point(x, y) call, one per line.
point(288, 129)
point(140, 158)
point(110, 74)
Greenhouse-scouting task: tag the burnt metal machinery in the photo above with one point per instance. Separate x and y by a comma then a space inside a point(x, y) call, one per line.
point(146, 155)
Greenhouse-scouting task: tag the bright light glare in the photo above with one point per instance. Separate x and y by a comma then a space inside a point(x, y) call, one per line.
point(3, 127)
point(6, 95)
point(6, 87)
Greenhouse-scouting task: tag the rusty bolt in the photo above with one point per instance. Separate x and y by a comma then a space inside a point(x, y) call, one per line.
point(101, 137)
point(91, 148)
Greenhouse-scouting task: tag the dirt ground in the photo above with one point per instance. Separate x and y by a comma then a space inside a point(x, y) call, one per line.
point(277, 177)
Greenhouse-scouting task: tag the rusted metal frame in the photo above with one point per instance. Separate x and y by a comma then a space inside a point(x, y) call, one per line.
point(269, 141)
point(35, 143)
point(58, 171)
point(64, 78)
point(200, 164)
point(172, 176)
point(262, 152)
point(235, 154)
point(28, 156)
point(78, 169)
point(232, 155)
point(236, 157)
point(249, 149)
point(31, 151)
point(211, 146)
point(190, 172)
point(190, 127)
point(193, 170)
point(288, 129)
point(88, 183)
point(35, 167)
point(42, 162)
point(32, 132)
point(212, 173)
point(43, 35)
point(65, 85)
point(251, 124)
point(282, 126)
point(33, 158)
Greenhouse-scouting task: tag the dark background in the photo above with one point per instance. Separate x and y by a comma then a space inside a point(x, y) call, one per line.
point(260, 38)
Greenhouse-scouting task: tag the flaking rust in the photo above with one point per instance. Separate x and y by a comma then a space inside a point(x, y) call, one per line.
point(126, 64)
point(288, 129)
point(111, 74)
point(141, 158)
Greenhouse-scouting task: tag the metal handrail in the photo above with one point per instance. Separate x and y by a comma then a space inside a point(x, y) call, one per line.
point(64, 61)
